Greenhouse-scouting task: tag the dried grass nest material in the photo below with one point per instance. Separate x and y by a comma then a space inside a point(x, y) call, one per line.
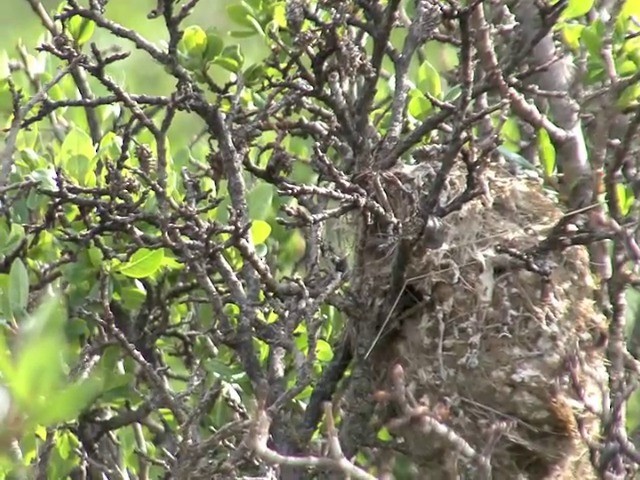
point(487, 345)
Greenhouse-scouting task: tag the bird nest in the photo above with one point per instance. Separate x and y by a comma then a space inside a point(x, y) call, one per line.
point(501, 350)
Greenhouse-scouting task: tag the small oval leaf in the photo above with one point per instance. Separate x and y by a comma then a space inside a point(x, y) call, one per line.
point(214, 45)
point(18, 287)
point(260, 231)
point(577, 8)
point(429, 80)
point(547, 153)
point(143, 263)
point(194, 42)
point(81, 29)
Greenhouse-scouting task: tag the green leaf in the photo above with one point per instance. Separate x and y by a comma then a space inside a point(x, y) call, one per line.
point(46, 177)
point(38, 373)
point(280, 15)
point(429, 80)
point(256, 4)
point(110, 145)
point(18, 287)
point(629, 96)
point(214, 45)
point(419, 106)
point(547, 153)
point(577, 8)
point(230, 58)
point(76, 328)
point(227, 63)
point(324, 353)
point(193, 43)
point(48, 321)
point(256, 26)
point(95, 256)
point(384, 435)
point(221, 370)
point(79, 168)
point(119, 387)
point(81, 29)
point(77, 142)
point(631, 200)
point(5, 306)
point(571, 33)
point(626, 67)
point(172, 264)
point(9, 241)
point(626, 198)
point(66, 443)
point(143, 263)
point(592, 38)
point(453, 93)
point(510, 133)
point(39, 370)
point(67, 404)
point(301, 338)
point(253, 74)
point(260, 231)
point(28, 139)
point(29, 157)
point(259, 201)
point(240, 14)
point(305, 394)
point(132, 297)
point(631, 8)
point(595, 70)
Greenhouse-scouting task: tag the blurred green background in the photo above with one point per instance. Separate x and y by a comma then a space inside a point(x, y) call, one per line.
point(19, 23)
point(138, 73)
